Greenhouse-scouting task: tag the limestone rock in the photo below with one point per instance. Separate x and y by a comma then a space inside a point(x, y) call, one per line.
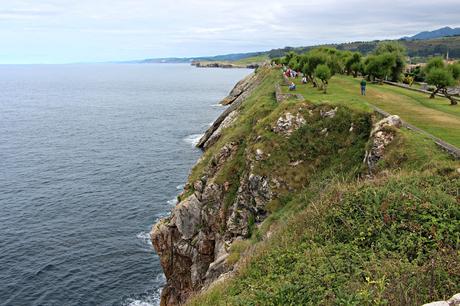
point(218, 132)
point(329, 114)
point(438, 303)
point(381, 138)
point(288, 123)
point(187, 215)
point(238, 89)
point(259, 154)
point(453, 301)
point(392, 120)
point(217, 268)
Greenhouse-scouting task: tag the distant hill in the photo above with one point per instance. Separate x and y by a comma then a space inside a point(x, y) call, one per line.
point(424, 44)
point(442, 32)
point(415, 48)
point(225, 57)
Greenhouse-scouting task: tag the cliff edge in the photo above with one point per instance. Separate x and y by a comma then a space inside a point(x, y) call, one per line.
point(263, 163)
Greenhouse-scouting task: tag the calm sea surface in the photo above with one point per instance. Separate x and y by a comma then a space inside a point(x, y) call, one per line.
point(90, 157)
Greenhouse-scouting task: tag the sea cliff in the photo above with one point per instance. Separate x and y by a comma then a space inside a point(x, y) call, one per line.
point(277, 190)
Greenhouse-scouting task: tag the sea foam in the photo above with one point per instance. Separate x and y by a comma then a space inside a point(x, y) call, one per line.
point(193, 139)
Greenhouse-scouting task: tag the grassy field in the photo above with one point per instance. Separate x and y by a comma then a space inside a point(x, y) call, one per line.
point(436, 116)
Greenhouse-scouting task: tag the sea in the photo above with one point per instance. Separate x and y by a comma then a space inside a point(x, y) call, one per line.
point(91, 155)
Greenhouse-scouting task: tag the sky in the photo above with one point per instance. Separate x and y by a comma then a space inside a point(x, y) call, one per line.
point(68, 31)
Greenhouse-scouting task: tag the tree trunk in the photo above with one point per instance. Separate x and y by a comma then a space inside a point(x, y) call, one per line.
point(452, 100)
point(315, 84)
point(433, 94)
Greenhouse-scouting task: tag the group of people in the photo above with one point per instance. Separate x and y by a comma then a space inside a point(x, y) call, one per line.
point(290, 73)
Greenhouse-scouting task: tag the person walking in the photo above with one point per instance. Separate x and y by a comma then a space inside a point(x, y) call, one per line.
point(363, 87)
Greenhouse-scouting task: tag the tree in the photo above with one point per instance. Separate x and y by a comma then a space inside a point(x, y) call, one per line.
point(398, 52)
point(312, 60)
point(357, 68)
point(455, 70)
point(442, 76)
point(330, 57)
point(353, 64)
point(287, 58)
point(294, 63)
point(379, 66)
point(435, 62)
point(389, 46)
point(323, 72)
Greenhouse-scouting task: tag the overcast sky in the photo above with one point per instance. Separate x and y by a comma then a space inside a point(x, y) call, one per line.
point(60, 31)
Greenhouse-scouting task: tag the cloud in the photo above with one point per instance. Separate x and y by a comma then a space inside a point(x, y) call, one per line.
point(120, 29)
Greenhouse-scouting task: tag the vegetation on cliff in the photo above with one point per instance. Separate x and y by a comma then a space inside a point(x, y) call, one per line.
point(290, 215)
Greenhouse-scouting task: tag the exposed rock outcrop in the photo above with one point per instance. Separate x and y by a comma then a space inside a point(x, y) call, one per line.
point(329, 114)
point(381, 137)
point(239, 88)
point(453, 301)
point(236, 97)
point(218, 132)
point(193, 242)
point(288, 123)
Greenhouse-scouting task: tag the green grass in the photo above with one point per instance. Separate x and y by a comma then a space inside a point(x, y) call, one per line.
point(436, 116)
point(250, 60)
point(337, 237)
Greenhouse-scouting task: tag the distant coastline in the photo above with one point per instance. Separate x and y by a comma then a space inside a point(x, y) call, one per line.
point(217, 64)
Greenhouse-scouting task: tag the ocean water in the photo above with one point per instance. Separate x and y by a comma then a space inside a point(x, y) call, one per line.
point(90, 157)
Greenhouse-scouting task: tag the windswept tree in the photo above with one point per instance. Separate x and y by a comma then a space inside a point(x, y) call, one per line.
point(294, 63)
point(321, 56)
point(312, 60)
point(442, 76)
point(323, 72)
point(287, 58)
point(353, 64)
point(379, 66)
point(398, 53)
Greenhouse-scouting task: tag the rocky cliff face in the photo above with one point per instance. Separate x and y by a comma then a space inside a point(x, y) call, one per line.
point(216, 210)
point(193, 242)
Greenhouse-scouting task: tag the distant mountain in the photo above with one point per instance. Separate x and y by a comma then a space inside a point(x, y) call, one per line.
point(222, 58)
point(442, 32)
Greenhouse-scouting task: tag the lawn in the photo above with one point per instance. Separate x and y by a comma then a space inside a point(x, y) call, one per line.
point(436, 116)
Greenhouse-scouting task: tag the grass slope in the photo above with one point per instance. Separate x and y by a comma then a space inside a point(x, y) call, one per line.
point(333, 237)
point(435, 116)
